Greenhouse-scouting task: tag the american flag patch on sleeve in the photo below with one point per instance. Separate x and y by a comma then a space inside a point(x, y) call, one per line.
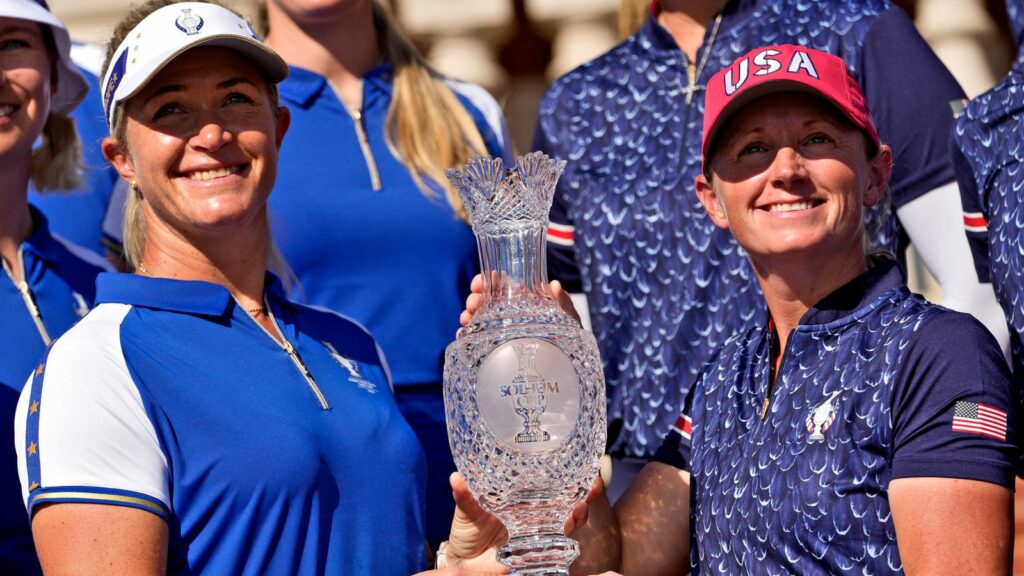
point(974, 418)
point(684, 426)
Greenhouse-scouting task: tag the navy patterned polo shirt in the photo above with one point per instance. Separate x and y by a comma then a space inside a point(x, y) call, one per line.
point(665, 287)
point(875, 384)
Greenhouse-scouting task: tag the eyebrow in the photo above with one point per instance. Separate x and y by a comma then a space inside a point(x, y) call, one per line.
point(26, 28)
point(173, 88)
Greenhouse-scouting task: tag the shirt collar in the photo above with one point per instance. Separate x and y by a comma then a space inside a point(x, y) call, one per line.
point(187, 296)
point(303, 86)
point(857, 294)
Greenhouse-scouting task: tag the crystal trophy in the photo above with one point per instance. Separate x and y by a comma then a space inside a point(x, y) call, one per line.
point(523, 384)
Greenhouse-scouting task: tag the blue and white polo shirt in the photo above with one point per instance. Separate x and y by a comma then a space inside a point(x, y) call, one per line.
point(169, 398)
point(874, 384)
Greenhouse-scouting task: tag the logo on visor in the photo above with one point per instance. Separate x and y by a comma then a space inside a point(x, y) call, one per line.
point(189, 23)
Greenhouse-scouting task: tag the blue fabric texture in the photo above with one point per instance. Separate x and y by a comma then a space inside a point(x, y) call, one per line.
point(990, 168)
point(394, 259)
point(62, 284)
point(665, 287)
point(866, 393)
point(262, 477)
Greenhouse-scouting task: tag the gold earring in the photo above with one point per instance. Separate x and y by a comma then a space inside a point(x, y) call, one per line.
point(135, 187)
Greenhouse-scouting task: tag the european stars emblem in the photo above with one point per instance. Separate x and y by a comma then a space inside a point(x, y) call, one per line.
point(32, 449)
point(33, 408)
point(33, 486)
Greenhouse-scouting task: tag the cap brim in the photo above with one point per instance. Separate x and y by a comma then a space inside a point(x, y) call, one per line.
point(266, 60)
point(755, 92)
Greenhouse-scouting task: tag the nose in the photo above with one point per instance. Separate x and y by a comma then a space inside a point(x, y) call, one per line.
point(211, 136)
point(787, 168)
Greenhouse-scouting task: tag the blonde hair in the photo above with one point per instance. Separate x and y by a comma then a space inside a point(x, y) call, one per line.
point(57, 163)
point(427, 127)
point(632, 15)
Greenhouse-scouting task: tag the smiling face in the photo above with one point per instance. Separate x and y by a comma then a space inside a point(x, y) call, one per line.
point(25, 88)
point(791, 177)
point(201, 142)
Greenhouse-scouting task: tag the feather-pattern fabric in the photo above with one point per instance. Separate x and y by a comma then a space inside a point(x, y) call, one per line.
point(665, 287)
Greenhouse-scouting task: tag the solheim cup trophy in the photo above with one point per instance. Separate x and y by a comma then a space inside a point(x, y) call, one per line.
point(523, 385)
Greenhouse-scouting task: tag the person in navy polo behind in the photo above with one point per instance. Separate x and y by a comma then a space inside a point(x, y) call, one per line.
point(197, 421)
point(47, 283)
point(989, 162)
point(860, 429)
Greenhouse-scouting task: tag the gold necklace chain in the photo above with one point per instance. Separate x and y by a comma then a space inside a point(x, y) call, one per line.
point(695, 73)
point(254, 312)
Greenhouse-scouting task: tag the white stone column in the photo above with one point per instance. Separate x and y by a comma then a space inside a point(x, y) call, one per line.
point(963, 35)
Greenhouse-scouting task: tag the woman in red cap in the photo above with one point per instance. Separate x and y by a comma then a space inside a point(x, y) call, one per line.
point(861, 429)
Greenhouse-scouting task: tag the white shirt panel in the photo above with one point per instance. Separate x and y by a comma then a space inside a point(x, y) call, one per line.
point(93, 427)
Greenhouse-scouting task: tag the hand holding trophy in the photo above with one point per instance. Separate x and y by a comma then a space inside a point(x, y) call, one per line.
point(524, 387)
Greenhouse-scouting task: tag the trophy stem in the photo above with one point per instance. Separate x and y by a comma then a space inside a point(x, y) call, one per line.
point(539, 554)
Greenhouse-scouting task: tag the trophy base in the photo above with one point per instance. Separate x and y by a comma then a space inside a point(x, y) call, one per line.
point(539, 554)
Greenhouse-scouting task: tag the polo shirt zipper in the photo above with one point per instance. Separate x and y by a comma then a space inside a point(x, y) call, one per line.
point(364, 141)
point(293, 355)
point(773, 374)
point(28, 298)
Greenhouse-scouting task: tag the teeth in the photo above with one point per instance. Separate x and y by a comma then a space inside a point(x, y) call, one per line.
point(790, 207)
point(211, 174)
point(6, 109)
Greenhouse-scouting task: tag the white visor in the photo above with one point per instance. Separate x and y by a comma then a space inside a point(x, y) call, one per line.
point(71, 86)
point(170, 31)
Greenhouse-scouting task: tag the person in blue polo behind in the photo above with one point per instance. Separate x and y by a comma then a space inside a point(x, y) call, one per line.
point(197, 421)
point(363, 212)
point(47, 283)
point(860, 429)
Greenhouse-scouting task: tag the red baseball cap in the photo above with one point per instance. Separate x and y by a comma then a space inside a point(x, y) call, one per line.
point(782, 68)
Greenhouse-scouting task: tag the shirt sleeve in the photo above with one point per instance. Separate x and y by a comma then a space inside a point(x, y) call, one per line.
point(975, 218)
point(675, 449)
point(913, 98)
point(953, 413)
point(82, 432)
point(549, 137)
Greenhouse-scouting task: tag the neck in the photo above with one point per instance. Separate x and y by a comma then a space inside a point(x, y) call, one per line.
point(15, 217)
point(236, 260)
point(342, 48)
point(687, 22)
point(791, 287)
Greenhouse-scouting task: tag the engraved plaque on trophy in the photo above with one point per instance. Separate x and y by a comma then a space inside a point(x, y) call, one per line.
point(524, 386)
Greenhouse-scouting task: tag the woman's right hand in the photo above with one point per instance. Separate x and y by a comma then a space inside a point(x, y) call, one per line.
point(476, 298)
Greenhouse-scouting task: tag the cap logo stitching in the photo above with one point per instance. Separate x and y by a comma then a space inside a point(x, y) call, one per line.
point(768, 65)
point(189, 23)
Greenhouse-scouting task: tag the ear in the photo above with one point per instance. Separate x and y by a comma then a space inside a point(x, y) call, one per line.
point(880, 171)
point(119, 158)
point(284, 120)
point(710, 200)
